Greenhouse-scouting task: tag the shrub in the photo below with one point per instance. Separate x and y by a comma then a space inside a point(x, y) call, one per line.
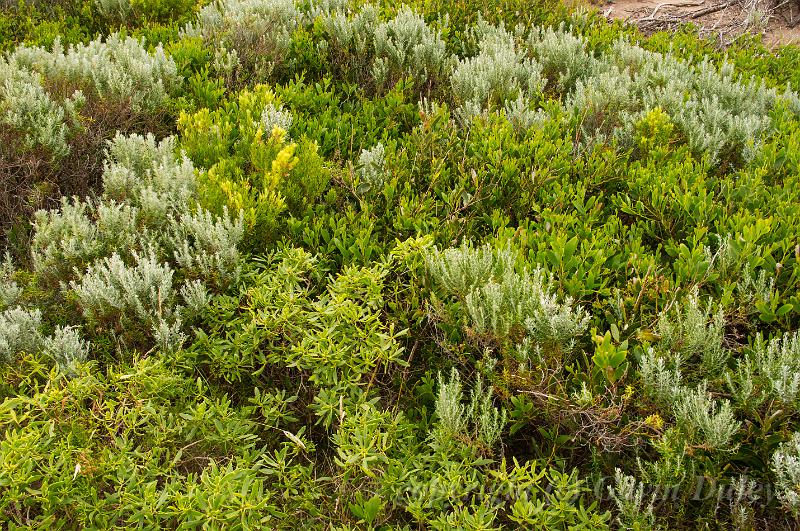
point(29, 109)
point(719, 115)
point(695, 332)
point(146, 187)
point(10, 290)
point(708, 422)
point(498, 74)
point(117, 68)
point(405, 46)
point(371, 168)
point(110, 291)
point(350, 40)
point(257, 31)
point(64, 240)
point(205, 247)
point(138, 11)
point(242, 325)
point(460, 270)
point(628, 494)
point(769, 370)
point(58, 107)
point(273, 117)
point(19, 332)
point(563, 57)
point(485, 422)
point(67, 348)
point(504, 303)
point(120, 253)
point(786, 465)
point(252, 166)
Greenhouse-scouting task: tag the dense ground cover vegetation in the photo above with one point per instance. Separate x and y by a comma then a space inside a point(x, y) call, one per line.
point(447, 265)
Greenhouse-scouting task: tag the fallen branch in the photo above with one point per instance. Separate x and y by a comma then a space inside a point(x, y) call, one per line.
point(709, 10)
point(672, 4)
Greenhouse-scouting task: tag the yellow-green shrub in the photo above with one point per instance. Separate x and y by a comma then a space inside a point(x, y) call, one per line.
point(249, 164)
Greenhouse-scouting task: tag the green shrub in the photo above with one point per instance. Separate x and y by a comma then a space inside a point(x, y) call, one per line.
point(137, 11)
point(252, 165)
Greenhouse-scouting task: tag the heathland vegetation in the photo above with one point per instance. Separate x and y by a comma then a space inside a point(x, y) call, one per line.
point(451, 264)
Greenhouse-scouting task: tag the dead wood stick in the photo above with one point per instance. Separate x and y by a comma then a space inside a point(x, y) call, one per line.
point(672, 4)
point(709, 10)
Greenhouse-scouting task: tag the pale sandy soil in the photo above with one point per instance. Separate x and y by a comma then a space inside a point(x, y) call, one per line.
point(778, 23)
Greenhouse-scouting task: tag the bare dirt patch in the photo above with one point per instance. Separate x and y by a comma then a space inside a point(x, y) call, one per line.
point(778, 21)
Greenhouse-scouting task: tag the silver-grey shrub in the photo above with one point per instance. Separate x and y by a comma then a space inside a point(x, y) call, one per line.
point(563, 57)
point(693, 330)
point(116, 10)
point(705, 420)
point(371, 168)
point(406, 46)
point(458, 270)
point(110, 289)
point(479, 421)
point(20, 331)
point(503, 302)
point(708, 422)
point(141, 257)
point(660, 380)
point(10, 291)
point(273, 117)
point(526, 300)
point(635, 509)
point(26, 106)
point(148, 175)
point(118, 68)
point(66, 347)
point(770, 370)
point(195, 297)
point(350, 37)
point(719, 114)
point(145, 187)
point(63, 240)
point(258, 31)
point(500, 72)
point(205, 246)
point(786, 466)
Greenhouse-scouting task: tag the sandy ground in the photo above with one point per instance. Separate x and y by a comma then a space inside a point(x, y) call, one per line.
point(777, 23)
